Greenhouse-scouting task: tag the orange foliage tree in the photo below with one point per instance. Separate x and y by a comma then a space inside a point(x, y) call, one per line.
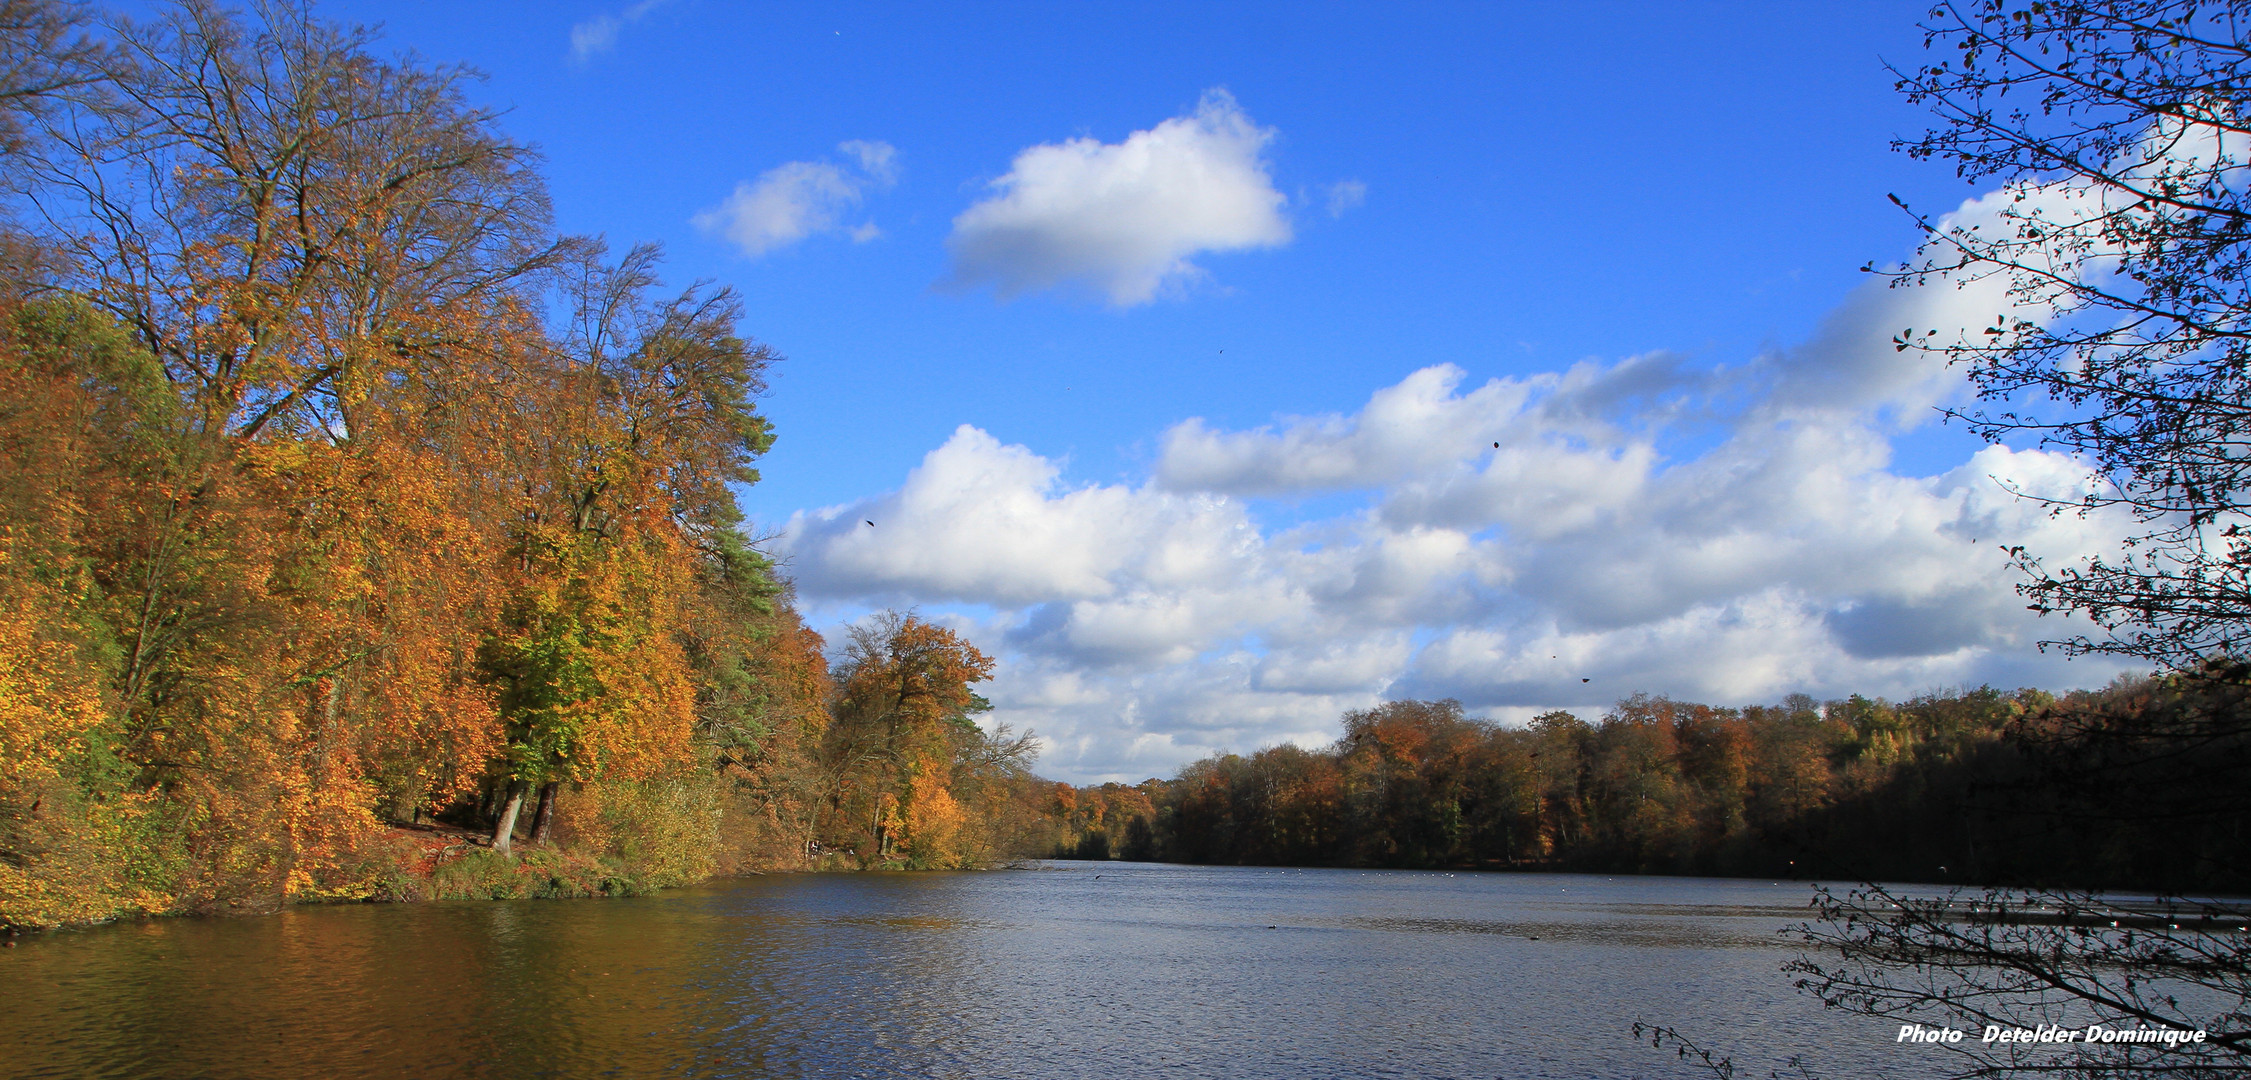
point(904, 748)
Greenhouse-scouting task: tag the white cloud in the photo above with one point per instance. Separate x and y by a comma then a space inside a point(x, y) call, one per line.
point(1342, 196)
point(798, 199)
point(1564, 539)
point(980, 522)
point(599, 34)
point(878, 160)
point(1124, 219)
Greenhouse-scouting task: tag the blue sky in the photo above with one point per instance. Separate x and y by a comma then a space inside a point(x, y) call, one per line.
point(1169, 344)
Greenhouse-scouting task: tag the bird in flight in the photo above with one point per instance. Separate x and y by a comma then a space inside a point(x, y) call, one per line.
point(870, 523)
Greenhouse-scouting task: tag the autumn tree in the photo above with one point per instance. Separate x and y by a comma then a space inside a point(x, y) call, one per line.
point(904, 721)
point(283, 219)
point(1405, 768)
point(1638, 806)
point(301, 238)
point(77, 403)
point(1558, 752)
point(625, 527)
point(762, 712)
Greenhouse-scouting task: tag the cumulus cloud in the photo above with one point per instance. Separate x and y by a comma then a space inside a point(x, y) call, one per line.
point(980, 522)
point(1124, 219)
point(1564, 539)
point(798, 199)
point(599, 34)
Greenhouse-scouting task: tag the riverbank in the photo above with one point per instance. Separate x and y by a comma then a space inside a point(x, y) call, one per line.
point(418, 863)
point(443, 863)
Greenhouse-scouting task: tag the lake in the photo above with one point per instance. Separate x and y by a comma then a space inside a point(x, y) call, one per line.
point(1072, 969)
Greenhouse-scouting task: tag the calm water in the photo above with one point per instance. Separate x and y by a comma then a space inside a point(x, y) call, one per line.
point(1074, 970)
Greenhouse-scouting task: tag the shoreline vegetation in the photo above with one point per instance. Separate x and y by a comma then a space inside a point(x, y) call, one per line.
point(345, 491)
point(1965, 788)
point(365, 538)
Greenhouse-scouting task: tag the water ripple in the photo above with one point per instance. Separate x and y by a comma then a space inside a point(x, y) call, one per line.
point(1141, 972)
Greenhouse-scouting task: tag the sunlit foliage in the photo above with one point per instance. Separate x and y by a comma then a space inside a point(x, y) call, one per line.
point(360, 528)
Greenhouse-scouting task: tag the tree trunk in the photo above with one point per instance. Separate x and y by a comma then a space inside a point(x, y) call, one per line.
point(545, 815)
point(504, 833)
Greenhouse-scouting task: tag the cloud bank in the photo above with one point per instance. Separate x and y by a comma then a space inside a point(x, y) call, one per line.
point(799, 199)
point(1124, 219)
point(1562, 539)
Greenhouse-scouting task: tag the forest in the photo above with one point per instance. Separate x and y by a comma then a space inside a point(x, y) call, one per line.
point(2130, 786)
point(351, 511)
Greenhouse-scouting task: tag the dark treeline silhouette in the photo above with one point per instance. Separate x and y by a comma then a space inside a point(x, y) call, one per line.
point(1971, 786)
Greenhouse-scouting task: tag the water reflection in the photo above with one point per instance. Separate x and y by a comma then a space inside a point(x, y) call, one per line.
point(1077, 970)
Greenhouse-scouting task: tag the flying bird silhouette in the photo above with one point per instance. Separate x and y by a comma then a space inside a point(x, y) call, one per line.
point(870, 523)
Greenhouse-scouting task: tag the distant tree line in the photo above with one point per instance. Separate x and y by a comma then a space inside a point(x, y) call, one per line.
point(1971, 786)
